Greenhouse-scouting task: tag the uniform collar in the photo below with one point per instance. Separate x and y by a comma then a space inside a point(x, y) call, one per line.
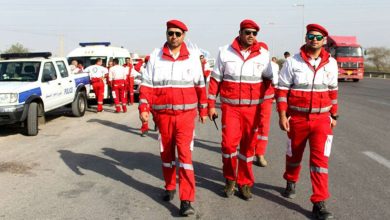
point(254, 49)
point(324, 55)
point(184, 53)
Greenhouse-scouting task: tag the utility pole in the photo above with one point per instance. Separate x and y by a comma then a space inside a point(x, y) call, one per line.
point(61, 48)
point(303, 19)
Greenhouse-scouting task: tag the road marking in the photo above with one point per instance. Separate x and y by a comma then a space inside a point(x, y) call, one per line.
point(378, 158)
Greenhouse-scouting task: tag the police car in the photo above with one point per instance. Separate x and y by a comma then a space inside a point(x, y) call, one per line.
point(32, 84)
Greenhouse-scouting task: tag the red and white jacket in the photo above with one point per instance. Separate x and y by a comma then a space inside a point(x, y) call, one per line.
point(172, 85)
point(306, 85)
point(238, 80)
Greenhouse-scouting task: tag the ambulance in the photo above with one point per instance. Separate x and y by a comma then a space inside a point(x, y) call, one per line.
point(88, 52)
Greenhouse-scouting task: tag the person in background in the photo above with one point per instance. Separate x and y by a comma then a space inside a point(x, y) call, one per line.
point(117, 77)
point(97, 74)
point(286, 55)
point(206, 68)
point(129, 91)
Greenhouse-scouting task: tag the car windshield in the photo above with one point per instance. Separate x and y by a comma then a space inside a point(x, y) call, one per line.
point(349, 52)
point(23, 71)
point(86, 61)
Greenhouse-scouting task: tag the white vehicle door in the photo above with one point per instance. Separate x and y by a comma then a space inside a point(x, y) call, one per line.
point(67, 82)
point(51, 87)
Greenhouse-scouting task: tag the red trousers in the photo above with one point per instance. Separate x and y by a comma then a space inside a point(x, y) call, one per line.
point(239, 125)
point(315, 128)
point(98, 88)
point(130, 89)
point(177, 131)
point(118, 92)
point(263, 129)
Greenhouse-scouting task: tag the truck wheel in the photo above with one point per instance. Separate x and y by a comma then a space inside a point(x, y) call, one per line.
point(79, 105)
point(31, 123)
point(356, 80)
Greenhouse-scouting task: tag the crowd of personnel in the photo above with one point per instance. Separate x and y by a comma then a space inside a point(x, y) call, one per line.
point(247, 82)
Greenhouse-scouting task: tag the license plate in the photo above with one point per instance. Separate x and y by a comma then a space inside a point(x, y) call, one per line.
point(349, 72)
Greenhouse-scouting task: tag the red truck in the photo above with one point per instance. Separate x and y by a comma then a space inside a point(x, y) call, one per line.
point(349, 56)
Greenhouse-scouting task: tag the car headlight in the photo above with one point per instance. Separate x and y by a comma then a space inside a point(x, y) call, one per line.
point(8, 98)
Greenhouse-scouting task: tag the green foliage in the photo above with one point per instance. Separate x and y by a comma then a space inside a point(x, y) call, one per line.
point(378, 58)
point(16, 48)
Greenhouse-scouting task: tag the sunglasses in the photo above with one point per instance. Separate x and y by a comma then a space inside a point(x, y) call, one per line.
point(171, 33)
point(247, 32)
point(317, 37)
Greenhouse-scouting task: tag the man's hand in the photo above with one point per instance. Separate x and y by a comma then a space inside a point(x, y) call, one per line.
point(144, 116)
point(333, 123)
point(202, 119)
point(212, 112)
point(284, 124)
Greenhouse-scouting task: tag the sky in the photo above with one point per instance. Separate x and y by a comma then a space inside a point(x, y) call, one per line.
point(41, 25)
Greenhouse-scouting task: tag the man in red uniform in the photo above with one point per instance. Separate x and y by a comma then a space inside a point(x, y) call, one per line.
point(129, 90)
point(140, 67)
point(265, 117)
point(173, 87)
point(307, 105)
point(97, 74)
point(205, 67)
point(238, 77)
point(117, 76)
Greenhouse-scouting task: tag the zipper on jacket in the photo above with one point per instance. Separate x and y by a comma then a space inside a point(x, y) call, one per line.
point(312, 88)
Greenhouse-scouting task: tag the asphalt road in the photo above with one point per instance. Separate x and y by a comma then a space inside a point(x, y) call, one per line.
point(98, 167)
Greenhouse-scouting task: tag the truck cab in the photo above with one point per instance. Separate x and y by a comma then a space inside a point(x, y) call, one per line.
point(349, 56)
point(32, 84)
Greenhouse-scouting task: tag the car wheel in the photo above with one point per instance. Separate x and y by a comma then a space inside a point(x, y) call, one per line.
point(31, 123)
point(79, 105)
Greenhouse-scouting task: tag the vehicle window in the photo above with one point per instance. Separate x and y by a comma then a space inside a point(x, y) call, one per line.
point(49, 72)
point(62, 68)
point(87, 61)
point(19, 71)
point(122, 60)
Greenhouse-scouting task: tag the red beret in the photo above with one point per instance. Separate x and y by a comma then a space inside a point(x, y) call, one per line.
point(249, 24)
point(317, 27)
point(176, 24)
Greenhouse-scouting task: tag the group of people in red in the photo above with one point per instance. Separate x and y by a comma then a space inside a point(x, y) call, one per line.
point(173, 90)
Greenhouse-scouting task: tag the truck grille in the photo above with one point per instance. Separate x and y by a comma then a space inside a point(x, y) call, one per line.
point(349, 65)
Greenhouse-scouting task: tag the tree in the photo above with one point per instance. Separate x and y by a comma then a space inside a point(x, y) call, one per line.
point(379, 57)
point(16, 48)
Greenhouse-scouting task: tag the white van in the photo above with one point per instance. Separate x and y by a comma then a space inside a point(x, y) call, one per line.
point(88, 52)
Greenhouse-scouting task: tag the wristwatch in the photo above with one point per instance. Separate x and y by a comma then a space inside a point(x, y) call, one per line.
point(334, 117)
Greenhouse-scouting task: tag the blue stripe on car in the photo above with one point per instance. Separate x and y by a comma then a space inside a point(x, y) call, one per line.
point(23, 96)
point(83, 80)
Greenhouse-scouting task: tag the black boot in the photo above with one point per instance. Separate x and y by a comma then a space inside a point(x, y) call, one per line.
point(186, 208)
point(168, 195)
point(320, 211)
point(229, 188)
point(245, 192)
point(289, 192)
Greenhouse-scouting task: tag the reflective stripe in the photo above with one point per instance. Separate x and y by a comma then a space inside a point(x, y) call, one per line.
point(310, 86)
point(212, 97)
point(143, 101)
point(293, 164)
point(186, 166)
point(264, 138)
point(281, 84)
point(241, 101)
point(269, 96)
point(173, 83)
point(202, 105)
point(242, 78)
point(281, 99)
point(216, 76)
point(229, 155)
point(318, 169)
point(147, 82)
point(169, 165)
point(334, 101)
point(247, 159)
point(313, 110)
point(175, 107)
